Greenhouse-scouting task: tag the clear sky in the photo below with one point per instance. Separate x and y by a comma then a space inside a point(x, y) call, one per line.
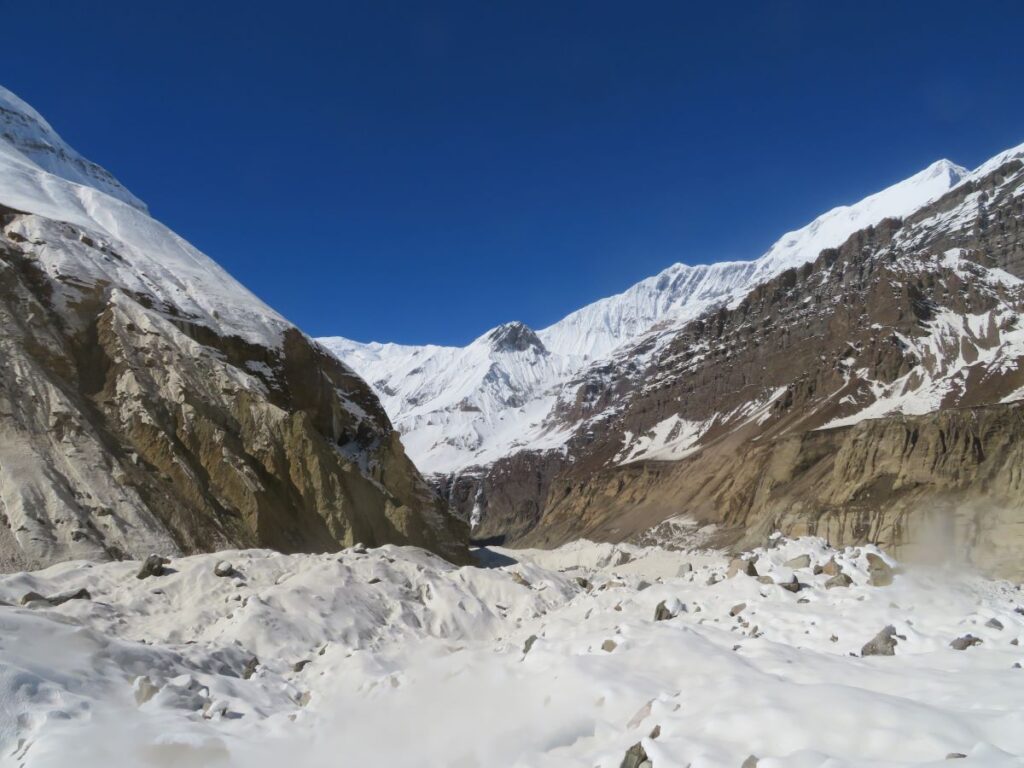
point(422, 171)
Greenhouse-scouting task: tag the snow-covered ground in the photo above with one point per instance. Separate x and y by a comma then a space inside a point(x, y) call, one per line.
point(393, 657)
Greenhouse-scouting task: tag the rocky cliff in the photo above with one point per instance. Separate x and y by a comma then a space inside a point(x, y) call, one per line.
point(150, 403)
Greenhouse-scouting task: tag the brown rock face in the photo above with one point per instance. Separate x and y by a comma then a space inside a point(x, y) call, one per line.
point(128, 429)
point(792, 399)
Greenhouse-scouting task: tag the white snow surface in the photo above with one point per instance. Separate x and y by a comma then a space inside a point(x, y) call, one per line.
point(24, 131)
point(394, 657)
point(115, 239)
point(426, 389)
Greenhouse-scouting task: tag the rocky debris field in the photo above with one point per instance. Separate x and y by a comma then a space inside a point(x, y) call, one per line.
point(794, 655)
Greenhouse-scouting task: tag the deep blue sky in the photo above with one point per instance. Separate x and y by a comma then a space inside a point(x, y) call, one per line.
point(423, 171)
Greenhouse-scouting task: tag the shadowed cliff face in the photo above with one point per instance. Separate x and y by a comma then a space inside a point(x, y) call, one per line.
point(779, 411)
point(129, 428)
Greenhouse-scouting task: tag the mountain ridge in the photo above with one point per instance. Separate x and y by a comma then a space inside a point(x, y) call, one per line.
point(441, 441)
point(151, 403)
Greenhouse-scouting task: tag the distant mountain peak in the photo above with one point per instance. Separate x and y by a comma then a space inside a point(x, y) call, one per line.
point(514, 337)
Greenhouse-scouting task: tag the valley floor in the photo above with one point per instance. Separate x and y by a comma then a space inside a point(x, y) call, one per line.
point(393, 657)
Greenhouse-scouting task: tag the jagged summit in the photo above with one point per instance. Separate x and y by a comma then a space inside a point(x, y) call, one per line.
point(514, 337)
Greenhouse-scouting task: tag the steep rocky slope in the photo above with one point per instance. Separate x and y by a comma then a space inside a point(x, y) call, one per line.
point(148, 402)
point(758, 414)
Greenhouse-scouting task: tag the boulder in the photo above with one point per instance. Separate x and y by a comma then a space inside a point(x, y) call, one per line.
point(609, 645)
point(839, 580)
point(801, 561)
point(737, 609)
point(152, 566)
point(742, 566)
point(883, 644)
point(831, 568)
point(223, 568)
point(793, 585)
point(880, 574)
point(668, 609)
point(529, 644)
point(994, 624)
point(965, 642)
point(636, 756)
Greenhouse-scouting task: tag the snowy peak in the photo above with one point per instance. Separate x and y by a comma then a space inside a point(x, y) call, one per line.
point(514, 337)
point(24, 130)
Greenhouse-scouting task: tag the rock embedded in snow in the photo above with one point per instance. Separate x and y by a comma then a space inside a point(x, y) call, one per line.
point(737, 609)
point(153, 565)
point(250, 668)
point(636, 757)
point(144, 689)
point(883, 644)
point(965, 642)
point(750, 762)
point(668, 609)
point(793, 585)
point(800, 561)
point(223, 569)
point(740, 565)
point(63, 597)
point(609, 645)
point(839, 580)
point(994, 624)
point(529, 644)
point(831, 568)
point(880, 574)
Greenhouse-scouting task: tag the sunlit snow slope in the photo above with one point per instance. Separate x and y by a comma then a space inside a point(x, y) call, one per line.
point(40, 174)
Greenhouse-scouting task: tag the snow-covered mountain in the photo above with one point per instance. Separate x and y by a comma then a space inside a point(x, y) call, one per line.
point(464, 406)
point(149, 402)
